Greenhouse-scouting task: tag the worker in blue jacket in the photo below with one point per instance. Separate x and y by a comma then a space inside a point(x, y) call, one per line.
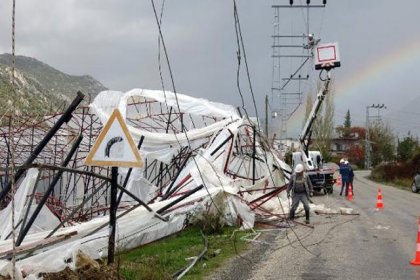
point(351, 175)
point(345, 177)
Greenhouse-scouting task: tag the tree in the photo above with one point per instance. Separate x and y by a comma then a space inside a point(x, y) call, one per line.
point(358, 132)
point(324, 125)
point(347, 124)
point(356, 154)
point(406, 148)
point(382, 143)
point(309, 104)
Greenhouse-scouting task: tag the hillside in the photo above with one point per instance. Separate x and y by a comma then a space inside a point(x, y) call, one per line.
point(40, 87)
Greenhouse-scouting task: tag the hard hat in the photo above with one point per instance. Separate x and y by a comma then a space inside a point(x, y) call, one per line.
point(299, 168)
point(346, 162)
point(342, 160)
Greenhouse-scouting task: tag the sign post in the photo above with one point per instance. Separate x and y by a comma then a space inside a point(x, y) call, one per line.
point(112, 214)
point(114, 148)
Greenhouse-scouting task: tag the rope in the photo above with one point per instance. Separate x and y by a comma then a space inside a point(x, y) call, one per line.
point(11, 141)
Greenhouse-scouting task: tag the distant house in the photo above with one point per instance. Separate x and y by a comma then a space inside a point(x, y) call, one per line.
point(350, 146)
point(341, 146)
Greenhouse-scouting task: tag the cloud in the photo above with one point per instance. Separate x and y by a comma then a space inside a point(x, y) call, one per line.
point(116, 41)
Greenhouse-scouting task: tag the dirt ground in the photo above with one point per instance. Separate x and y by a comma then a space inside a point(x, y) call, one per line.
point(103, 272)
point(86, 268)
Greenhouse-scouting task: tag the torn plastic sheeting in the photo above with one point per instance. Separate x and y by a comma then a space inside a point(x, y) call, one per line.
point(140, 188)
point(187, 104)
point(165, 151)
point(163, 146)
point(95, 246)
point(106, 101)
point(45, 220)
point(240, 209)
point(57, 257)
point(157, 144)
point(285, 168)
point(179, 138)
point(130, 235)
point(207, 167)
point(25, 188)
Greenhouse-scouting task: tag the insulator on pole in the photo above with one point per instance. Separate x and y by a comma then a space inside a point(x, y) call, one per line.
point(324, 2)
point(291, 2)
point(308, 2)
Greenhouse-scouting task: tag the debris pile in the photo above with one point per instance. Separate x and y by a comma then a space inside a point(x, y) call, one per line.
point(199, 156)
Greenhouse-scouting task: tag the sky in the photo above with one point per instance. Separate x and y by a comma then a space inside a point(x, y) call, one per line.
point(116, 42)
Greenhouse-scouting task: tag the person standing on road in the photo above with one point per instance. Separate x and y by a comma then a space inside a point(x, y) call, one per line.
point(345, 178)
point(339, 170)
point(351, 175)
point(301, 187)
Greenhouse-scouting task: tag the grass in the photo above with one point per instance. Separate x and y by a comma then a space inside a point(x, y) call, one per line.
point(403, 183)
point(400, 183)
point(161, 259)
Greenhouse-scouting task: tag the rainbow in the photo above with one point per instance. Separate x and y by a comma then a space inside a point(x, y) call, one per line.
point(378, 71)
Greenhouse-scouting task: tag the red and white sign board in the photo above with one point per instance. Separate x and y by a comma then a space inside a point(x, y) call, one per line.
point(327, 56)
point(114, 146)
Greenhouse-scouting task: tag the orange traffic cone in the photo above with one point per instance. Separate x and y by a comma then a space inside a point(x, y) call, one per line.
point(350, 194)
point(339, 180)
point(416, 261)
point(379, 203)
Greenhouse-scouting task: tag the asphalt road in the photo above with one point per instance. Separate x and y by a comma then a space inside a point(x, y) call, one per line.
point(374, 245)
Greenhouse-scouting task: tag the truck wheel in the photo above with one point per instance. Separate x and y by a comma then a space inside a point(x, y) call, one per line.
point(414, 188)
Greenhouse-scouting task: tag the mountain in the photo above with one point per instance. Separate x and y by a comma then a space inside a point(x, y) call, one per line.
point(41, 88)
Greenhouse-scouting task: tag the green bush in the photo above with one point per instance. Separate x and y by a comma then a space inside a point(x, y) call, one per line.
point(211, 222)
point(397, 172)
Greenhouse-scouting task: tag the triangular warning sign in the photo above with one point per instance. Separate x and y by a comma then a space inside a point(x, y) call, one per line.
point(114, 145)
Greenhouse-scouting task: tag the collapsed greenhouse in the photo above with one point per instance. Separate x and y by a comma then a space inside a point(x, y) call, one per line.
point(199, 156)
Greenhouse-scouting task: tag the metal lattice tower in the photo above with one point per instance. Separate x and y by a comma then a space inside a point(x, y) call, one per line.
point(375, 118)
point(296, 48)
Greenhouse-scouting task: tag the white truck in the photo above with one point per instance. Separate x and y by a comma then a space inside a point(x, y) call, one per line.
point(321, 177)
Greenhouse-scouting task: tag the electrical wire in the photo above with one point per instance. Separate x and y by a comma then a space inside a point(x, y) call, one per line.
point(159, 49)
point(240, 44)
point(239, 38)
point(177, 102)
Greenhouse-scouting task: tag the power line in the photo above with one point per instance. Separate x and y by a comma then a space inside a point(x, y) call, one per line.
point(240, 39)
point(177, 104)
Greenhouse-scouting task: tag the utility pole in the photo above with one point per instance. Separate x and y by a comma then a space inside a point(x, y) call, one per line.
point(266, 117)
point(367, 136)
point(296, 50)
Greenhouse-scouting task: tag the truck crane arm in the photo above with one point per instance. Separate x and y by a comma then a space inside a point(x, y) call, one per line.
point(305, 136)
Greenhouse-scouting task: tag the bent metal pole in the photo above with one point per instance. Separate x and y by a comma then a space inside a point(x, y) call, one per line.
point(65, 117)
point(47, 193)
